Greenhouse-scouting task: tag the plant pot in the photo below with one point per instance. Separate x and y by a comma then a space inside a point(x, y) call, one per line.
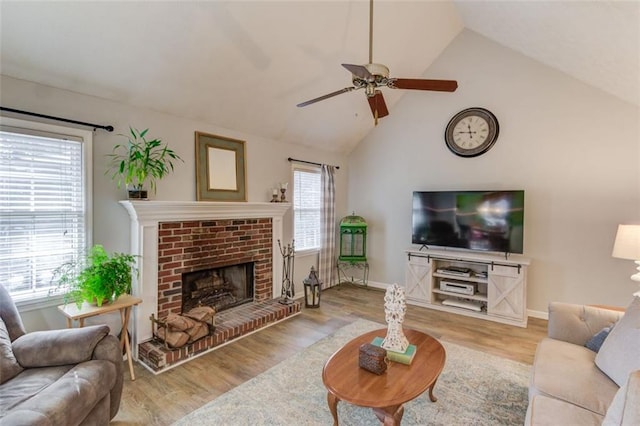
point(94, 302)
point(137, 194)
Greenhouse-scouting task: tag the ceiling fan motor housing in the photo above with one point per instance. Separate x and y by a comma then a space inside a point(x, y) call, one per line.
point(378, 76)
point(377, 70)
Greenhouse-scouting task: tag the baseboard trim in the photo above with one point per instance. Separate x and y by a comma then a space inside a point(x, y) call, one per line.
point(538, 314)
point(376, 284)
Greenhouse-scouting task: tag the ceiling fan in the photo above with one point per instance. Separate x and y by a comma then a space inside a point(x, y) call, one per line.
point(371, 76)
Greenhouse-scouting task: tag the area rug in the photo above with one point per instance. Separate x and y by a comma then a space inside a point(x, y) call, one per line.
point(474, 388)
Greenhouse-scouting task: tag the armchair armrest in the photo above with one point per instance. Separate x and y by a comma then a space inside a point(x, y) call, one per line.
point(108, 349)
point(58, 347)
point(578, 323)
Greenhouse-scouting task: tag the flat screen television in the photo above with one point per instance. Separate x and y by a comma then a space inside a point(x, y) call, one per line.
point(473, 220)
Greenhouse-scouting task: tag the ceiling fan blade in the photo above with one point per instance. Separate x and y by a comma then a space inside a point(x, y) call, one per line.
point(327, 96)
point(419, 84)
point(378, 105)
point(358, 70)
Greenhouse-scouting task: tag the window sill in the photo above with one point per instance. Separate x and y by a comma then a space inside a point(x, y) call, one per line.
point(307, 252)
point(35, 303)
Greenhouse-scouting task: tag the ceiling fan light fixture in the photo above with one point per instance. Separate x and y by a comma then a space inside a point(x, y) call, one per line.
point(370, 90)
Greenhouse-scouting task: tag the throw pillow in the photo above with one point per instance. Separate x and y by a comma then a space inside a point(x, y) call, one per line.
point(620, 352)
point(9, 366)
point(596, 341)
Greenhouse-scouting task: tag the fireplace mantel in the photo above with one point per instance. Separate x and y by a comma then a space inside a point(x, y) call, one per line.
point(145, 217)
point(165, 211)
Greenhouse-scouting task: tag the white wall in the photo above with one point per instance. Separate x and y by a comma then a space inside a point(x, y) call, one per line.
point(574, 150)
point(266, 164)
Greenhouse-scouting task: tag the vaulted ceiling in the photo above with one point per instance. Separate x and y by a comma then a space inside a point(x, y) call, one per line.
point(244, 65)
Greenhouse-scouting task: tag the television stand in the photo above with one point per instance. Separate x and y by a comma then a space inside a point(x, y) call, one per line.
point(481, 285)
point(474, 306)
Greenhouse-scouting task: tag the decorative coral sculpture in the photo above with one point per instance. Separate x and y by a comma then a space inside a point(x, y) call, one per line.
point(394, 309)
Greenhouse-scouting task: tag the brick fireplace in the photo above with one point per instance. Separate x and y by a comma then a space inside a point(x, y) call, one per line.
point(177, 238)
point(190, 246)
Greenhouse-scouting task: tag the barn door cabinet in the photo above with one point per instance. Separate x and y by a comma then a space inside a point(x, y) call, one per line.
point(481, 285)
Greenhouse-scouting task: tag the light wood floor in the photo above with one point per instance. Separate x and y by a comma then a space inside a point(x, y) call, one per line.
point(165, 398)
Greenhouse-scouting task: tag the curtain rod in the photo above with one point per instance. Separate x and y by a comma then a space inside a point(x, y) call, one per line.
point(66, 120)
point(308, 162)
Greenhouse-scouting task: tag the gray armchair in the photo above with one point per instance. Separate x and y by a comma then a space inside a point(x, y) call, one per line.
point(58, 377)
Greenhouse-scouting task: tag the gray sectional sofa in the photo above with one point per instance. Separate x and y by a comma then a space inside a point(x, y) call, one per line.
point(58, 377)
point(574, 385)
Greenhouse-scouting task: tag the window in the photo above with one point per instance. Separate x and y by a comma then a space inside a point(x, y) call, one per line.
point(306, 208)
point(44, 219)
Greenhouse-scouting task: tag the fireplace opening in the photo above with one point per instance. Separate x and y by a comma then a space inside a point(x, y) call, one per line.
point(221, 288)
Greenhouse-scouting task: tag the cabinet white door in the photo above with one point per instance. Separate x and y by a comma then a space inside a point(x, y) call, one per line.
point(506, 292)
point(418, 279)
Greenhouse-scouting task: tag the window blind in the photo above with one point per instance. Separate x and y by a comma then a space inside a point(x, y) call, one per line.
point(42, 208)
point(306, 209)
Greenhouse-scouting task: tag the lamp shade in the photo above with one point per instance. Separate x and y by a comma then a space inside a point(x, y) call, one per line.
point(627, 244)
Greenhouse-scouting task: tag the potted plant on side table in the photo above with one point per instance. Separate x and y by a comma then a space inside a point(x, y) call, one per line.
point(140, 161)
point(96, 278)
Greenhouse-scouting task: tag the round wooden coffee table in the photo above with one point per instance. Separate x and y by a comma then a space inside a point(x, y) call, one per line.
point(386, 393)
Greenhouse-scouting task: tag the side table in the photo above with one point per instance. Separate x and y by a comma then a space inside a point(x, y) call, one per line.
point(361, 266)
point(123, 304)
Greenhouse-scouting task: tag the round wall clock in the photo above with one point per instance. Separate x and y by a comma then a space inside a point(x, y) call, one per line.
point(471, 132)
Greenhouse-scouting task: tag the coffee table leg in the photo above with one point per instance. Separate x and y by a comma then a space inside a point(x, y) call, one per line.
point(431, 397)
point(333, 407)
point(390, 416)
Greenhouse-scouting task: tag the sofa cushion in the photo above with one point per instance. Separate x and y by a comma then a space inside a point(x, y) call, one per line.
point(9, 366)
point(28, 383)
point(567, 372)
point(545, 411)
point(81, 388)
point(620, 353)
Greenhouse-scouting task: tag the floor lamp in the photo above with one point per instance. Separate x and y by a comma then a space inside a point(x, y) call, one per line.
point(627, 246)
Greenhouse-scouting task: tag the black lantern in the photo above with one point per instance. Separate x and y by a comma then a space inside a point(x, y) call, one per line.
point(312, 290)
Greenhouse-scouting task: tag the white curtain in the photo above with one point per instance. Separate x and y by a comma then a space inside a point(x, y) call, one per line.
point(327, 257)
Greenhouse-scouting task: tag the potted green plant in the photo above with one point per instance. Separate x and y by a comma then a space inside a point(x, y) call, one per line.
point(139, 161)
point(96, 278)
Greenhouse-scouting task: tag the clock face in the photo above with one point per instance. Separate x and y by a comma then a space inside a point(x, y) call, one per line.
point(471, 132)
